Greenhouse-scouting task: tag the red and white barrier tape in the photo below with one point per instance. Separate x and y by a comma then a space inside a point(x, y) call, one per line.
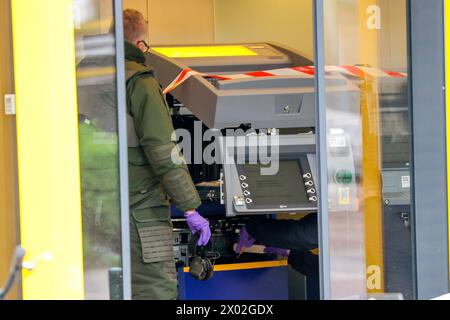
point(307, 72)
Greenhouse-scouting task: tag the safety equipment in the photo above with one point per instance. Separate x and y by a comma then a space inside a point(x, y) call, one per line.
point(98, 146)
point(155, 163)
point(305, 71)
point(277, 251)
point(156, 242)
point(245, 240)
point(170, 166)
point(200, 268)
point(199, 225)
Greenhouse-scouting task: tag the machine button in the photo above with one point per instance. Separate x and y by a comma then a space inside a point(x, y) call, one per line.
point(242, 177)
point(307, 176)
point(311, 191)
point(309, 183)
point(344, 177)
point(313, 199)
point(239, 201)
point(249, 201)
point(244, 185)
point(247, 193)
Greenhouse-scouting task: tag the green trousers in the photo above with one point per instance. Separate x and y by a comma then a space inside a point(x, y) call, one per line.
point(152, 261)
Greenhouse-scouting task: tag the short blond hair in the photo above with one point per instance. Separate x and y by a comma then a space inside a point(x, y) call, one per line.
point(134, 26)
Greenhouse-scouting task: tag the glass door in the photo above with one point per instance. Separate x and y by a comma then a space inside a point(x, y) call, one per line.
point(365, 148)
point(103, 162)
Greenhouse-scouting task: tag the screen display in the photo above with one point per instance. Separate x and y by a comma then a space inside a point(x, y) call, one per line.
point(205, 51)
point(285, 188)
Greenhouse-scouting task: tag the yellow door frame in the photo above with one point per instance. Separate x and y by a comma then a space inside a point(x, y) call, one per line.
point(48, 150)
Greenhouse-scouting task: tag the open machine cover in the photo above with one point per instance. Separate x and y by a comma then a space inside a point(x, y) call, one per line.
point(263, 102)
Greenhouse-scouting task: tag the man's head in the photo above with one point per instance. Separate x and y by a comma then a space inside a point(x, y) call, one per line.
point(135, 28)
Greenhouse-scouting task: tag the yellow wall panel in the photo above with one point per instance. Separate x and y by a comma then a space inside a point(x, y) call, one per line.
point(177, 21)
point(47, 139)
point(139, 5)
point(289, 22)
point(181, 21)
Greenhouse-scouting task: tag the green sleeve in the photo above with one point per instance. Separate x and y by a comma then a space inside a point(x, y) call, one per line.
point(155, 131)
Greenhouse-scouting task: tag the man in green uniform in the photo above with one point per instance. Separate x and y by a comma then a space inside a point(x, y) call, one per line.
point(157, 172)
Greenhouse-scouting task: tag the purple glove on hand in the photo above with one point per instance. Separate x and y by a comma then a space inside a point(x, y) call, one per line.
point(245, 240)
point(200, 225)
point(277, 251)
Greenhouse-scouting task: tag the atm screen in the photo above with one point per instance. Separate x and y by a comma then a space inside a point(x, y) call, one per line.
point(285, 188)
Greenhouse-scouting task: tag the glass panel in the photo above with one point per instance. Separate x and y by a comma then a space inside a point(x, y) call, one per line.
point(368, 129)
point(277, 41)
point(97, 106)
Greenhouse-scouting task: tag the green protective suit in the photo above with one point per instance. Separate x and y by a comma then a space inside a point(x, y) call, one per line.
point(157, 173)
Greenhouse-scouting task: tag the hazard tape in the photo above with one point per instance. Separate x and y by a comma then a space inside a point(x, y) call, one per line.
point(307, 72)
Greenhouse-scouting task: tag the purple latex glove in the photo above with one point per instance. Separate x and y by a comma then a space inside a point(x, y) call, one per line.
point(245, 240)
point(277, 251)
point(200, 225)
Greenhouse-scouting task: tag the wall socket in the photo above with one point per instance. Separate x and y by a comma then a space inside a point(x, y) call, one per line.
point(10, 104)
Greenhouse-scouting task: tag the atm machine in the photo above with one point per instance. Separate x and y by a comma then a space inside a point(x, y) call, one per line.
point(266, 155)
point(396, 178)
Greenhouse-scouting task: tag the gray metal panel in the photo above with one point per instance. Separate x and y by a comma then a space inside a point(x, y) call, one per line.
point(123, 150)
point(429, 157)
point(221, 105)
point(298, 58)
point(295, 145)
point(321, 132)
point(273, 83)
point(264, 108)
